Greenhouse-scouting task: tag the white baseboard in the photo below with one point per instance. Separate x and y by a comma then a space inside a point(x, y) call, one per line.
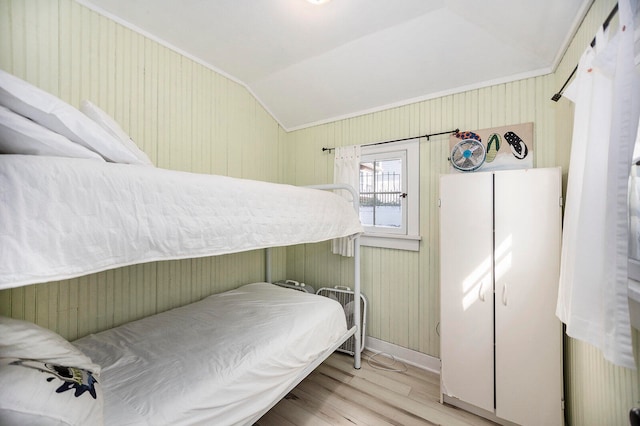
point(409, 356)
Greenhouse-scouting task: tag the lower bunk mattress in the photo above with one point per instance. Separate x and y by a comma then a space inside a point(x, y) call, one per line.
point(223, 360)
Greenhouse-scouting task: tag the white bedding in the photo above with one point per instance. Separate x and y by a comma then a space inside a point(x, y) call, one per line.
point(244, 347)
point(64, 217)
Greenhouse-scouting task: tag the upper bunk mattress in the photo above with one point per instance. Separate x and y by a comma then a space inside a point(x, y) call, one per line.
point(217, 361)
point(64, 217)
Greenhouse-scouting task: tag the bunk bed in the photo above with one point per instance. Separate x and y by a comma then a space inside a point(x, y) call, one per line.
point(225, 359)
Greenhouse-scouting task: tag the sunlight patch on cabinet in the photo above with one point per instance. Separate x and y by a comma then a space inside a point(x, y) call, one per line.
point(477, 283)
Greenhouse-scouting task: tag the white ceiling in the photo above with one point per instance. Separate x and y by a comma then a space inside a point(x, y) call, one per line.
point(309, 64)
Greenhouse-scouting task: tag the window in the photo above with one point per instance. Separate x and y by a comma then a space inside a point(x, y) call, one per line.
point(390, 196)
point(382, 182)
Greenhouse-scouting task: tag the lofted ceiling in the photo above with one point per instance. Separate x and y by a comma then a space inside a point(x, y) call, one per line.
point(309, 64)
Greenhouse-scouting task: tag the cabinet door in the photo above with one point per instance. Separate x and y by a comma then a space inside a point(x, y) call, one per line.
point(466, 292)
point(527, 259)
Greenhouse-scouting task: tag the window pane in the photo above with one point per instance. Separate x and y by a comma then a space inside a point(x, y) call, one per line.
point(366, 193)
point(380, 193)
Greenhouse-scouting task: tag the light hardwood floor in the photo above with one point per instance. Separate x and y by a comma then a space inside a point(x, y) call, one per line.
point(337, 394)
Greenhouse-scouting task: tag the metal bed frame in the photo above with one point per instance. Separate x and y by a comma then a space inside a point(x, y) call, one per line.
point(356, 278)
point(355, 330)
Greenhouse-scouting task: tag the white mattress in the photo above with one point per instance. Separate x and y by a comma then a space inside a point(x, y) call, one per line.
point(62, 217)
point(218, 361)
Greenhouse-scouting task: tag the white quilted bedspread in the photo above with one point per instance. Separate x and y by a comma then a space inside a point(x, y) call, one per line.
point(62, 218)
point(220, 361)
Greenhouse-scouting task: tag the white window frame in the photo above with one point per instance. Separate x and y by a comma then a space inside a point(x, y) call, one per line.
point(408, 236)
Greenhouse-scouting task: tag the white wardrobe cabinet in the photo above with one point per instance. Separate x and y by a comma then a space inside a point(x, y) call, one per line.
point(501, 343)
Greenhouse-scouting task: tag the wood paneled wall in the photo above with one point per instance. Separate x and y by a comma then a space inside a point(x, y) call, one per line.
point(403, 286)
point(182, 114)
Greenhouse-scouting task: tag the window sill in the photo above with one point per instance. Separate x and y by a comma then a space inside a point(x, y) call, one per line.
point(397, 242)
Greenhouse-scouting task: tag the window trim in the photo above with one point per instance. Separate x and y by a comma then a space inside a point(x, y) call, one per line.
point(410, 239)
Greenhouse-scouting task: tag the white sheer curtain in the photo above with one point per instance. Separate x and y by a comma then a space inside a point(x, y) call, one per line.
point(346, 170)
point(592, 300)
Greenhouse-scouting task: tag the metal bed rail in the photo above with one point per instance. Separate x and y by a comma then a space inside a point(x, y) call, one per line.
point(356, 259)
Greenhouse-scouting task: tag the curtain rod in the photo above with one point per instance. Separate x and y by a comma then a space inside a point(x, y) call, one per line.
point(404, 139)
point(605, 25)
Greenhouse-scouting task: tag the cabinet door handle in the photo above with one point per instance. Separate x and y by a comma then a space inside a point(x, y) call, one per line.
point(504, 294)
point(480, 292)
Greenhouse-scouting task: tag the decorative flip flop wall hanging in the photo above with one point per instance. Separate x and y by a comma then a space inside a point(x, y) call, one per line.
point(506, 147)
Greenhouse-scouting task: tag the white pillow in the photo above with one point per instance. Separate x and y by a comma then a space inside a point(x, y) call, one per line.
point(40, 393)
point(44, 379)
point(26, 340)
point(19, 135)
point(113, 128)
point(60, 117)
